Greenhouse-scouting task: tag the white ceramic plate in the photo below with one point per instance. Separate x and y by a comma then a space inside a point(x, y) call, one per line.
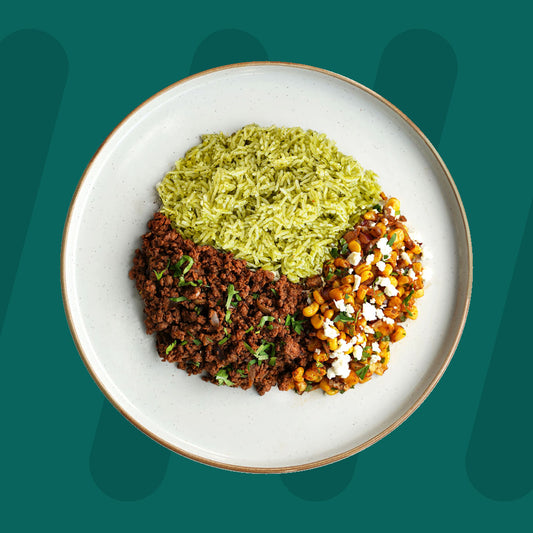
point(221, 426)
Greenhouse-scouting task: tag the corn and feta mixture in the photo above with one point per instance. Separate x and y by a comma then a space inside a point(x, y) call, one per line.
point(371, 285)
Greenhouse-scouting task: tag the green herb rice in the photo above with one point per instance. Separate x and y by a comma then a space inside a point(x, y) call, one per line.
point(278, 198)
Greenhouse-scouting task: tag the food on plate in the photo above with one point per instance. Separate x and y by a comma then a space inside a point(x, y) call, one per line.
point(277, 261)
point(213, 315)
point(276, 197)
point(372, 283)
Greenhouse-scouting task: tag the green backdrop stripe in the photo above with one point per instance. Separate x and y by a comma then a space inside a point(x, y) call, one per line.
point(34, 71)
point(417, 73)
point(499, 460)
point(124, 463)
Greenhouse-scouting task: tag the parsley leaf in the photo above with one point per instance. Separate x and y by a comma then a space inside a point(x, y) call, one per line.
point(367, 352)
point(231, 293)
point(392, 240)
point(344, 317)
point(362, 371)
point(296, 325)
point(264, 320)
point(272, 361)
point(170, 347)
point(159, 275)
point(222, 377)
point(344, 246)
point(179, 299)
point(406, 300)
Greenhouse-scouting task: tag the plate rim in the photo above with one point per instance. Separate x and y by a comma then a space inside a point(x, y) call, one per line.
point(311, 464)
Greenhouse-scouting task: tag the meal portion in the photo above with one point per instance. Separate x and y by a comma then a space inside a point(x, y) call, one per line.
point(277, 261)
point(371, 286)
point(278, 198)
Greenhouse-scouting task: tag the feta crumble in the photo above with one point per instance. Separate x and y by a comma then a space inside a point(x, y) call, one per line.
point(354, 258)
point(330, 331)
point(369, 312)
point(383, 246)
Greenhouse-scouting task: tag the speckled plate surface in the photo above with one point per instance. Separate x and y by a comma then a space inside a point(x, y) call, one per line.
point(221, 426)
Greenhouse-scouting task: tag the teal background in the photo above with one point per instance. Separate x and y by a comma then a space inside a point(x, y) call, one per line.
point(70, 72)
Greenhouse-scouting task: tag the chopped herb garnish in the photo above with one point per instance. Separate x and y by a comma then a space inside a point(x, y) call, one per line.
point(391, 241)
point(378, 335)
point(178, 271)
point(272, 361)
point(378, 208)
point(334, 253)
point(224, 340)
point(410, 313)
point(183, 343)
point(231, 293)
point(179, 299)
point(406, 300)
point(250, 363)
point(183, 283)
point(255, 295)
point(170, 347)
point(274, 291)
point(222, 378)
point(264, 320)
point(386, 338)
point(249, 329)
point(362, 371)
point(309, 387)
point(241, 372)
point(296, 325)
point(197, 309)
point(329, 275)
point(344, 246)
point(159, 275)
point(367, 352)
point(197, 342)
point(344, 317)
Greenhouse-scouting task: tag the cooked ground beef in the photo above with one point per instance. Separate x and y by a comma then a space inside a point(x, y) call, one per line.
point(214, 316)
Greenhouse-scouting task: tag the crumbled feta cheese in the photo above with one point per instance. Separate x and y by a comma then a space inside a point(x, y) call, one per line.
point(356, 282)
point(375, 358)
point(385, 221)
point(405, 257)
point(358, 352)
point(411, 273)
point(389, 289)
point(354, 258)
point(330, 331)
point(372, 301)
point(389, 210)
point(342, 306)
point(369, 312)
point(350, 271)
point(379, 313)
point(375, 347)
point(369, 259)
point(368, 329)
point(381, 265)
point(318, 350)
point(359, 338)
point(384, 247)
point(340, 366)
point(388, 320)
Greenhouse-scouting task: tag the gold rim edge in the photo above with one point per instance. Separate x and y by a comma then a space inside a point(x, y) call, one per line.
point(337, 457)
